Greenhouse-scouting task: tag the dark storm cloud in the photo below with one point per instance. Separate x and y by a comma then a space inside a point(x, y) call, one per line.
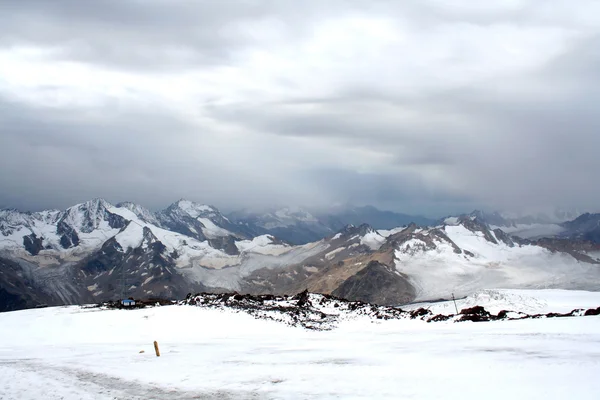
point(429, 106)
point(55, 158)
point(518, 149)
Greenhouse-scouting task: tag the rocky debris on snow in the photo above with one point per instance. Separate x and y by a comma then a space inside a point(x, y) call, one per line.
point(308, 310)
point(480, 314)
point(324, 312)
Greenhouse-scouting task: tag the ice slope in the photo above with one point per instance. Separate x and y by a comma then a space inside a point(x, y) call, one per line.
point(211, 230)
point(438, 272)
point(209, 354)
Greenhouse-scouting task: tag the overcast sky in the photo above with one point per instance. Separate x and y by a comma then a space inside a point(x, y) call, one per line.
point(421, 106)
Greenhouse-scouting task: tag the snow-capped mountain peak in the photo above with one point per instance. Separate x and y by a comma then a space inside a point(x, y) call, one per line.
point(140, 211)
point(197, 220)
point(193, 209)
point(86, 217)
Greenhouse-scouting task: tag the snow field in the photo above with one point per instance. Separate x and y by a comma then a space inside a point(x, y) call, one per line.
point(75, 353)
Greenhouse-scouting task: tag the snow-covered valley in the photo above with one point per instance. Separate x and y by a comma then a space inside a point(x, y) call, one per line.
point(74, 353)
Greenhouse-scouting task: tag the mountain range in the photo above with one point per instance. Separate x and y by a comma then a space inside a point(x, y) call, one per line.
point(96, 251)
point(301, 226)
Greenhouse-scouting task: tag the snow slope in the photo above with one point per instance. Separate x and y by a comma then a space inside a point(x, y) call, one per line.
point(95, 354)
point(526, 301)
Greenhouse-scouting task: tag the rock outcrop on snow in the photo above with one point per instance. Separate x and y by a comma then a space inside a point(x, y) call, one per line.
point(324, 312)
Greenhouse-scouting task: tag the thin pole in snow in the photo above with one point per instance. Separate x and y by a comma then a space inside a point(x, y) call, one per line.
point(454, 300)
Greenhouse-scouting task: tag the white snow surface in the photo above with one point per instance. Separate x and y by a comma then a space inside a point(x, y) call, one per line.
point(436, 273)
point(389, 232)
point(131, 236)
point(73, 353)
point(262, 245)
point(373, 240)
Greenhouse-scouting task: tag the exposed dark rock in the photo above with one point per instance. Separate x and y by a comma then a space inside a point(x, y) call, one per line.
point(303, 299)
point(576, 248)
point(478, 225)
point(475, 314)
point(68, 235)
point(420, 312)
point(18, 290)
point(33, 244)
point(592, 311)
point(225, 243)
point(439, 318)
point(477, 310)
point(115, 221)
point(504, 238)
point(585, 227)
point(376, 284)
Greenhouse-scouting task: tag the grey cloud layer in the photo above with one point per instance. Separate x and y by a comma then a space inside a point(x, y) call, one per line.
point(428, 106)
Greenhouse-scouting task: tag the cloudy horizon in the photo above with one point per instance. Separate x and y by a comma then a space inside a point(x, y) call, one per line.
point(425, 107)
